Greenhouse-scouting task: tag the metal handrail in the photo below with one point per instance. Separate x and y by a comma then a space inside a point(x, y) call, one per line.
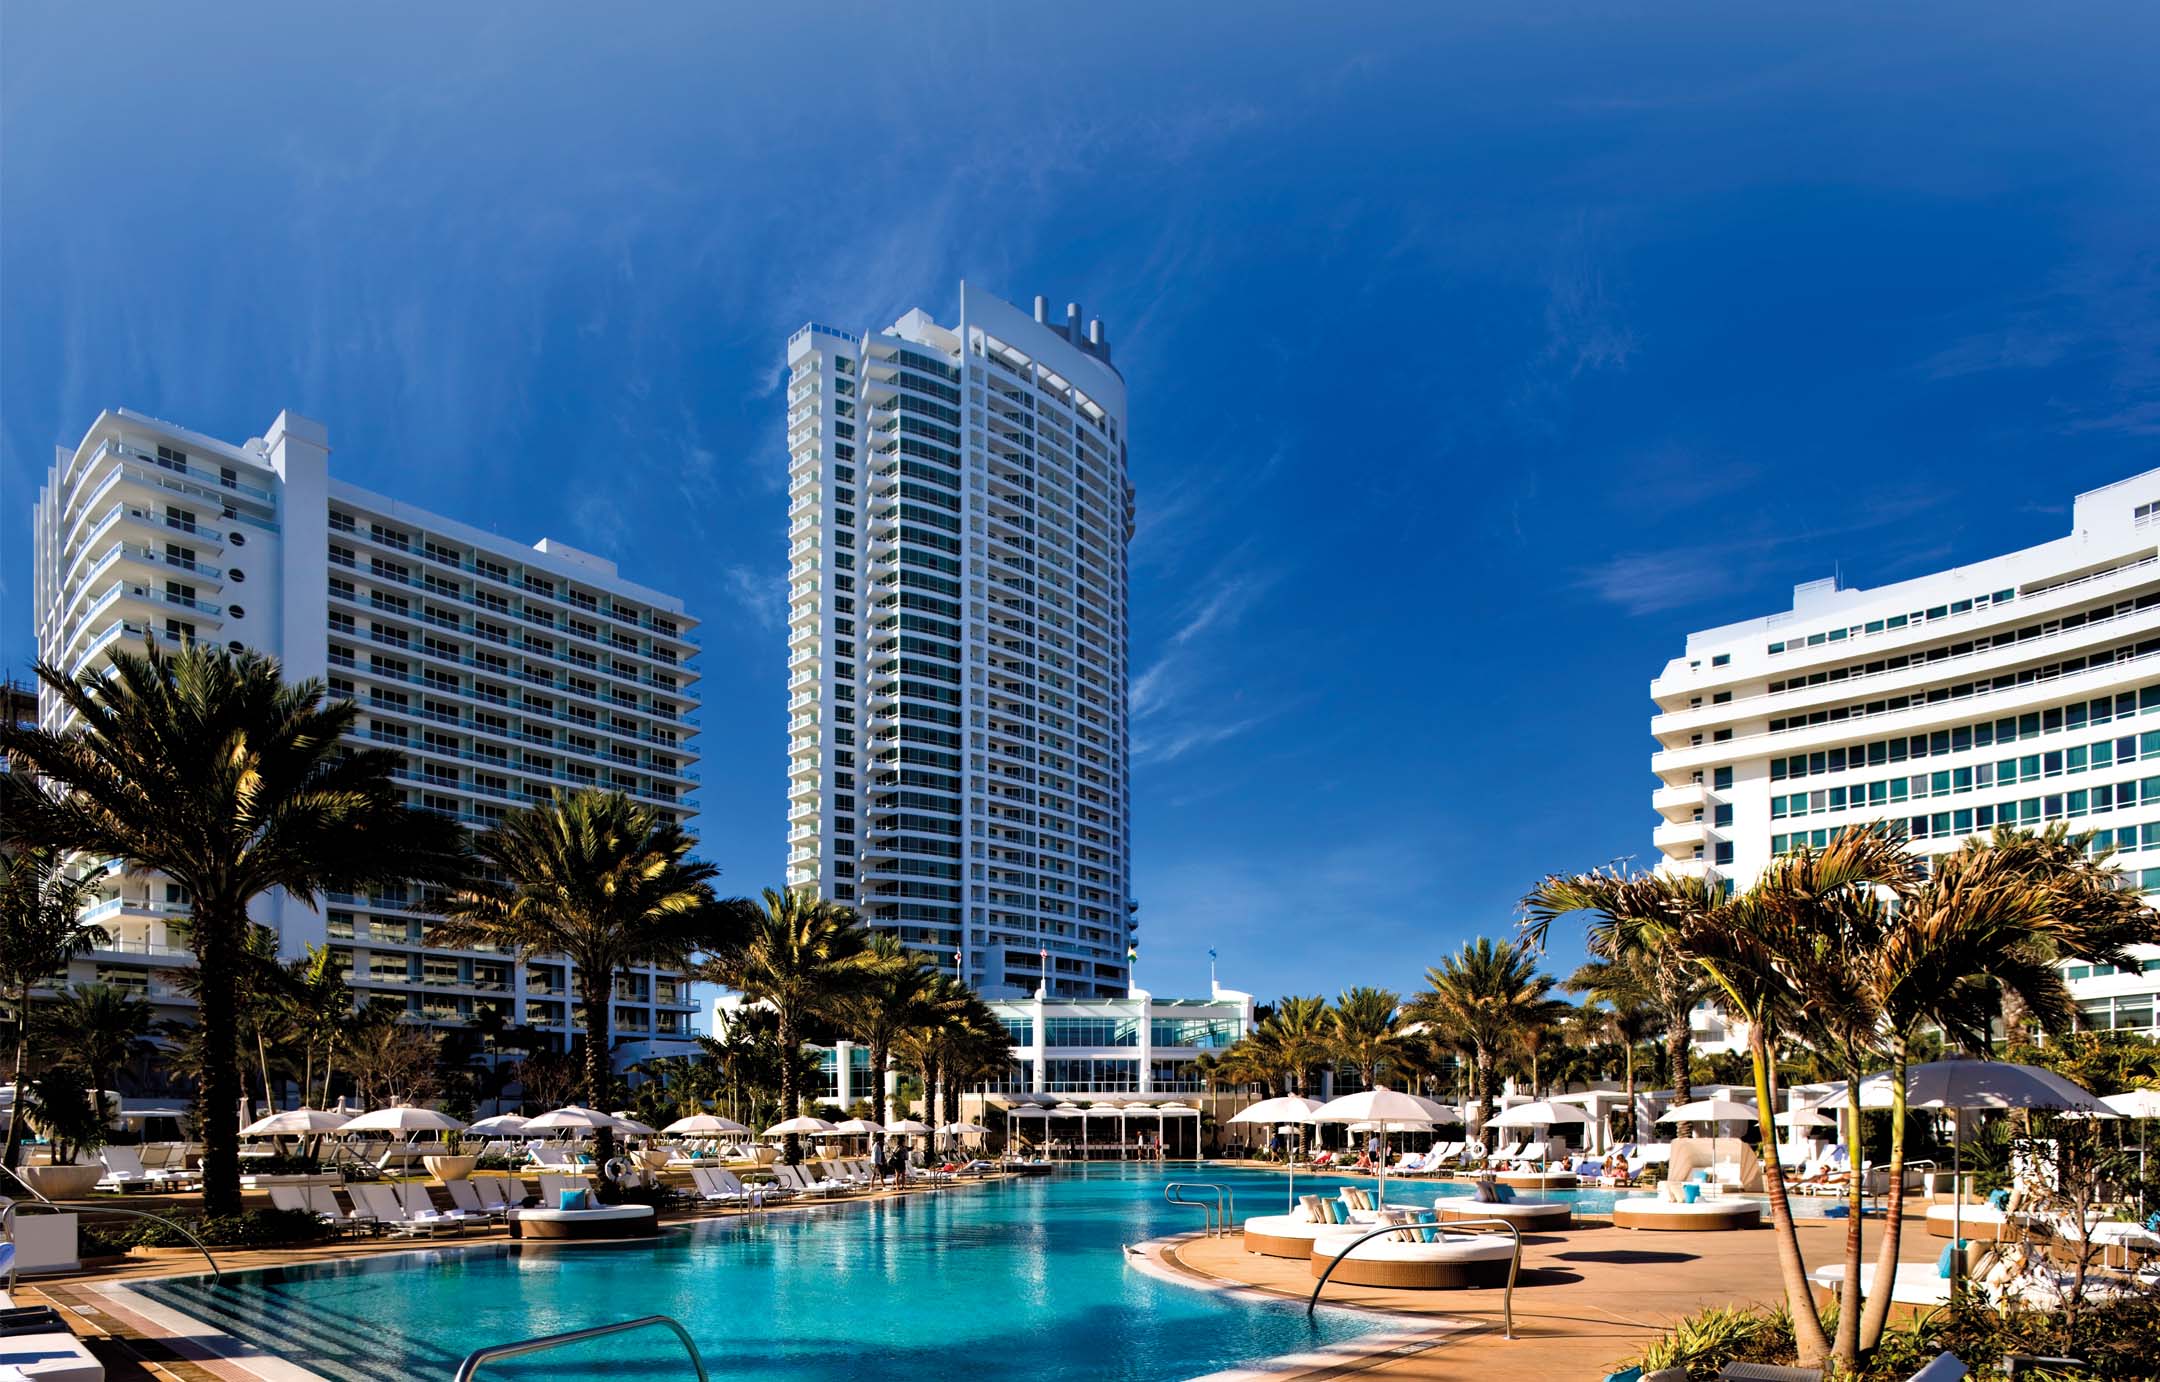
point(1507, 1299)
point(7, 1226)
point(478, 1356)
point(1220, 1210)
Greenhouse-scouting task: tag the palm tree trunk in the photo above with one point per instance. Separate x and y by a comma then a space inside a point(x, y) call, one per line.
point(217, 1014)
point(1679, 1035)
point(598, 995)
point(18, 1124)
point(784, 1035)
point(1484, 1090)
point(1886, 1256)
point(1808, 1337)
point(1847, 1350)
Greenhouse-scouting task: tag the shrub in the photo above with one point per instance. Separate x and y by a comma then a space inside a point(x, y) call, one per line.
point(258, 1228)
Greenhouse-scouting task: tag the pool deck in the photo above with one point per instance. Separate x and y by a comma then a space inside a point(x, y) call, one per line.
point(1586, 1300)
point(134, 1347)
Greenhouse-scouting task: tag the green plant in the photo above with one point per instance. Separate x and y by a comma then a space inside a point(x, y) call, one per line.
point(62, 1103)
point(1716, 1337)
point(256, 1228)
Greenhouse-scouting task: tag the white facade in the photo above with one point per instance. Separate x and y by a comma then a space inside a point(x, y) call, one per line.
point(498, 672)
point(957, 719)
point(1081, 1048)
point(2024, 689)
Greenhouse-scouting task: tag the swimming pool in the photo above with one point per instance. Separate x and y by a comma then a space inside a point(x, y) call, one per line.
point(1021, 1279)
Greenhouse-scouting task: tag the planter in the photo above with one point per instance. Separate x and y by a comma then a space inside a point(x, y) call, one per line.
point(450, 1168)
point(654, 1161)
point(63, 1182)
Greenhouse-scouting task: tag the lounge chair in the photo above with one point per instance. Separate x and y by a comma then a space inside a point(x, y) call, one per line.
point(717, 1188)
point(465, 1198)
point(420, 1206)
point(805, 1181)
point(382, 1203)
point(124, 1170)
point(323, 1201)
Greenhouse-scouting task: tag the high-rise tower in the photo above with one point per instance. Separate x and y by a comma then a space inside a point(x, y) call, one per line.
point(957, 723)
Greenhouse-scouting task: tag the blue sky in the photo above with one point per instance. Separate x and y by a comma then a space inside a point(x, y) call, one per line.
point(1476, 354)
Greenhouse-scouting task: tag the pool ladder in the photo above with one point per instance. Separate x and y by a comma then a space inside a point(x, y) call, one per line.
point(474, 1360)
point(1220, 1205)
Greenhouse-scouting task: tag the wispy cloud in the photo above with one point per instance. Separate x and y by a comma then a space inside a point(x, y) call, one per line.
point(762, 594)
point(1221, 607)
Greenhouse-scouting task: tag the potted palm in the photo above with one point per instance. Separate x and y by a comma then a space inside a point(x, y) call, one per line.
point(60, 1103)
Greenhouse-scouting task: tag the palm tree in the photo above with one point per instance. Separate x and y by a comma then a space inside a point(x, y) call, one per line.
point(207, 767)
point(1298, 1034)
point(1990, 917)
point(318, 1007)
point(602, 881)
point(1628, 990)
point(1483, 996)
point(1633, 919)
point(894, 995)
point(800, 955)
point(97, 1029)
point(1362, 1031)
point(41, 929)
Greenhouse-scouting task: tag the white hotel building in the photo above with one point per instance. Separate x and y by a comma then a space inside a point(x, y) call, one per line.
point(2024, 689)
point(498, 672)
point(957, 722)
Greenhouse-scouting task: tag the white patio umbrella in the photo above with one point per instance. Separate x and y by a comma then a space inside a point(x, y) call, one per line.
point(625, 1123)
point(1803, 1118)
point(857, 1127)
point(507, 1123)
point(907, 1127)
point(1958, 1085)
point(1709, 1111)
point(571, 1118)
point(799, 1126)
point(1389, 1107)
point(1285, 1110)
point(705, 1125)
point(297, 1122)
point(1542, 1114)
point(406, 1118)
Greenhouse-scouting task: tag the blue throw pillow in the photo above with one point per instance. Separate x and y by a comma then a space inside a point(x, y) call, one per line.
point(1942, 1263)
point(1504, 1193)
point(1625, 1375)
point(2152, 1224)
point(2000, 1199)
point(572, 1199)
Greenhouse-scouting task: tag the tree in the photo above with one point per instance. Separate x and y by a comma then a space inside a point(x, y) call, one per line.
point(97, 1029)
point(1987, 923)
point(894, 994)
point(207, 767)
point(1633, 917)
point(41, 929)
point(800, 955)
point(1484, 996)
point(602, 881)
point(1361, 1029)
point(1628, 989)
point(318, 1009)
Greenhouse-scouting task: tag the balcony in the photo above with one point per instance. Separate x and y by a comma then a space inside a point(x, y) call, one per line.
point(1681, 839)
point(1680, 803)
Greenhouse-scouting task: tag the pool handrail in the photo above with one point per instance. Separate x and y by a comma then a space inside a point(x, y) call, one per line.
point(1507, 1298)
point(1220, 1208)
point(543, 1342)
point(43, 1201)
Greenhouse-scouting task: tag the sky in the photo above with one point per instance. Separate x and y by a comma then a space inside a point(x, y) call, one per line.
point(1476, 353)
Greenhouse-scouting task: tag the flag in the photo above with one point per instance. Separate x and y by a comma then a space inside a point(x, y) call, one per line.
point(1211, 952)
point(1132, 952)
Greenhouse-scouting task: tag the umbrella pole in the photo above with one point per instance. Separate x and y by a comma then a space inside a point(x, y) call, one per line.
point(1957, 1183)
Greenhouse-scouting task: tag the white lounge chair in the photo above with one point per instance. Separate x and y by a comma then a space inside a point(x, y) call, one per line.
point(322, 1199)
point(465, 1197)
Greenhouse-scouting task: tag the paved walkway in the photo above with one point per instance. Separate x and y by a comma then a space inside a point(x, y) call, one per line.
point(1586, 1300)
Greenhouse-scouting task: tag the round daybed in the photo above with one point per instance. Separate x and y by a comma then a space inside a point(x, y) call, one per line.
point(605, 1221)
point(1983, 1222)
point(1919, 1289)
point(1703, 1216)
point(1529, 1216)
point(1539, 1180)
point(1285, 1235)
point(1444, 1264)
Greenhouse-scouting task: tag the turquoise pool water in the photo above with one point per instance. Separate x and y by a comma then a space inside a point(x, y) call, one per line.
point(1023, 1280)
